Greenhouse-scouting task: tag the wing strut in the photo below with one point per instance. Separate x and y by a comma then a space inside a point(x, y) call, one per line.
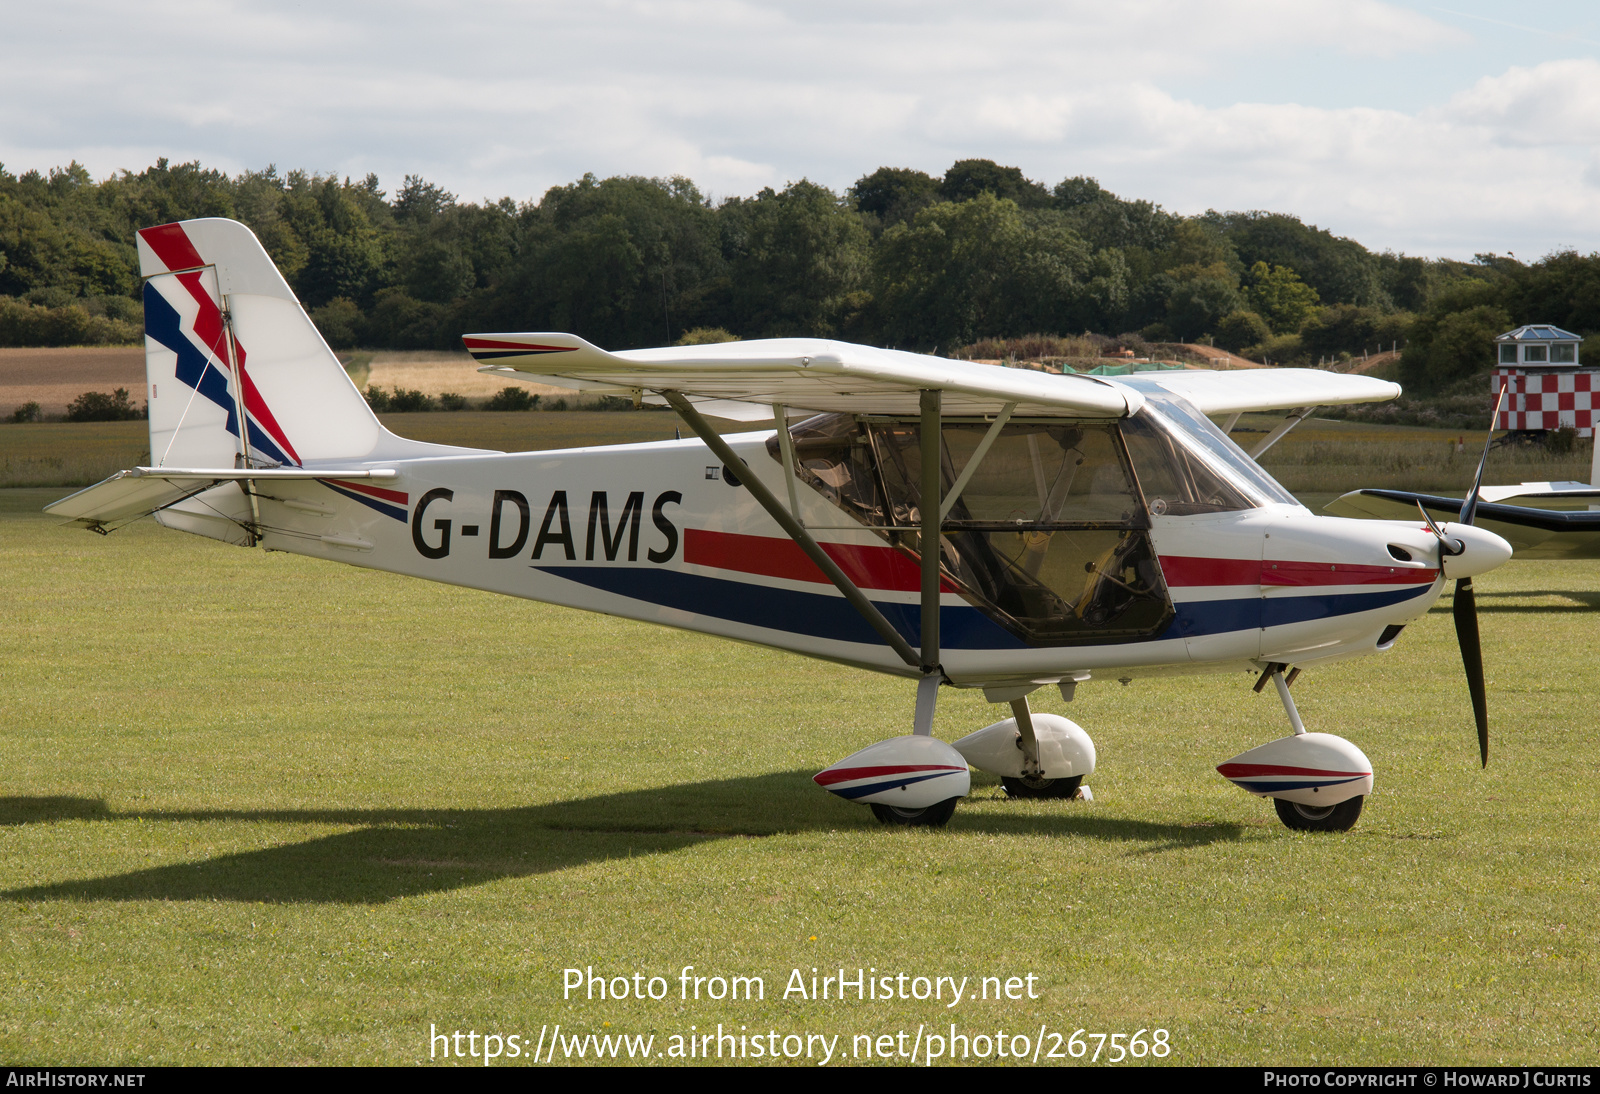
point(928, 546)
point(1295, 418)
point(790, 525)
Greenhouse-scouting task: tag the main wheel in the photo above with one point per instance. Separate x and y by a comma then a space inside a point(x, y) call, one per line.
point(933, 816)
point(1029, 787)
point(1320, 818)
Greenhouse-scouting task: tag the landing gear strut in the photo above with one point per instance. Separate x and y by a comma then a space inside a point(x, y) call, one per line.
point(1317, 781)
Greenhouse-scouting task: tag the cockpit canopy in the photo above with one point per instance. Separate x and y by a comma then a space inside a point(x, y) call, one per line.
point(1049, 533)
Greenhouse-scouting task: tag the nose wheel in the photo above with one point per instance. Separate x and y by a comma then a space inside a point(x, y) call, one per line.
point(1320, 818)
point(1029, 786)
point(933, 816)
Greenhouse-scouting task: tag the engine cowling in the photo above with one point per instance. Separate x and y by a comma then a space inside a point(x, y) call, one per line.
point(1314, 769)
point(911, 772)
point(1065, 750)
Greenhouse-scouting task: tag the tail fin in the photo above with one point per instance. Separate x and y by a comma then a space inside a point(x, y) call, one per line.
point(235, 366)
point(238, 378)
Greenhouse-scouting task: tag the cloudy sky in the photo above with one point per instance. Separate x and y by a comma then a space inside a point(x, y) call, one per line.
point(1447, 129)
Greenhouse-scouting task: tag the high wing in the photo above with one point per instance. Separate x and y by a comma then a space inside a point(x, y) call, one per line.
point(823, 375)
point(1244, 391)
point(805, 373)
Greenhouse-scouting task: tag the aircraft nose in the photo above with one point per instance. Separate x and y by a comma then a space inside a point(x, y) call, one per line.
point(1481, 551)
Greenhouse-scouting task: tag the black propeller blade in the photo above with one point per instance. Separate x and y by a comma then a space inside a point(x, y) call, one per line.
point(1466, 615)
point(1465, 609)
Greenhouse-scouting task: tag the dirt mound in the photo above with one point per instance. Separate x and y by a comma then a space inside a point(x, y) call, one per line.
point(1376, 361)
point(1212, 356)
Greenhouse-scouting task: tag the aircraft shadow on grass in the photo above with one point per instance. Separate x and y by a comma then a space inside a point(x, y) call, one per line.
point(396, 853)
point(1515, 601)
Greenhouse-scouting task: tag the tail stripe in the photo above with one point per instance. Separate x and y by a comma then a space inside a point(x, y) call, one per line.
point(172, 246)
point(165, 325)
point(257, 409)
point(387, 510)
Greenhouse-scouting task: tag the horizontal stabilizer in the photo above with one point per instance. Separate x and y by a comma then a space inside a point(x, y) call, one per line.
point(138, 492)
point(1532, 532)
point(1402, 505)
point(1549, 490)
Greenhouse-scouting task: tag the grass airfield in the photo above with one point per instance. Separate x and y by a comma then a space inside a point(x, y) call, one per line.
point(263, 809)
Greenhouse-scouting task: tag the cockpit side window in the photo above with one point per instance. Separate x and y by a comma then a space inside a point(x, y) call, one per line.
point(1049, 536)
point(835, 458)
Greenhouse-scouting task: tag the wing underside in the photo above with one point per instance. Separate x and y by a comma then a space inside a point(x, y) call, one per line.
point(822, 375)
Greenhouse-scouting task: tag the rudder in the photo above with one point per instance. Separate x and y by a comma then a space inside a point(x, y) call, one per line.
point(224, 333)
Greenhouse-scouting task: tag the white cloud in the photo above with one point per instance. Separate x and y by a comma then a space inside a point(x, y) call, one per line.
point(1555, 103)
point(507, 97)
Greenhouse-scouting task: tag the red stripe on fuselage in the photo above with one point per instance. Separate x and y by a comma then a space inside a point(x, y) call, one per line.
point(1328, 573)
point(396, 496)
point(1182, 571)
point(172, 246)
point(869, 567)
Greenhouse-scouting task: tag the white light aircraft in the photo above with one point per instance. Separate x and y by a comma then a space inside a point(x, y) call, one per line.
point(1551, 529)
point(1082, 528)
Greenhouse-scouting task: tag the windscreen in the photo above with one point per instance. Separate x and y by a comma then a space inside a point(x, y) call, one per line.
point(1228, 458)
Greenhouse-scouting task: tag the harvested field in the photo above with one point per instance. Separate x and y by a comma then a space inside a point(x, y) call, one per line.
point(54, 376)
point(434, 373)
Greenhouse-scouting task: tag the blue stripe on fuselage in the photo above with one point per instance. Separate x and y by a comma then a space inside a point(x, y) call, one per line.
point(1203, 617)
point(961, 627)
point(817, 614)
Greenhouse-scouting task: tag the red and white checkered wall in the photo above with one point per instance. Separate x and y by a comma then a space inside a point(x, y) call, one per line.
point(1547, 399)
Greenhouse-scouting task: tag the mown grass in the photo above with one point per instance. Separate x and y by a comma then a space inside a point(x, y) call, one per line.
point(262, 809)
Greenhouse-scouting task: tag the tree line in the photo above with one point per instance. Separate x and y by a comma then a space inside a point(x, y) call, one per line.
point(901, 258)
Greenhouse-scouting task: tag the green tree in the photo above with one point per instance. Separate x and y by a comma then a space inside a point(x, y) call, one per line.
point(960, 271)
point(966, 179)
point(1462, 344)
point(1239, 329)
point(892, 194)
point(804, 254)
point(1342, 271)
point(1199, 298)
point(1277, 294)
